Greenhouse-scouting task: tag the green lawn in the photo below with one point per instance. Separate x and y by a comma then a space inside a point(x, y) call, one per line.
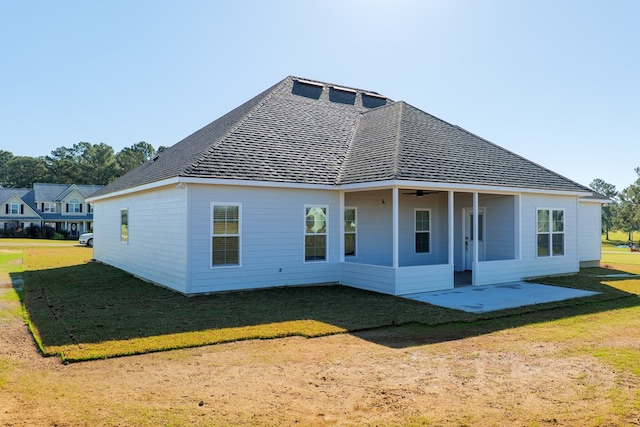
point(83, 310)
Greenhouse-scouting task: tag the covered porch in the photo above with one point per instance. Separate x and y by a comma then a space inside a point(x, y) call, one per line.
point(406, 239)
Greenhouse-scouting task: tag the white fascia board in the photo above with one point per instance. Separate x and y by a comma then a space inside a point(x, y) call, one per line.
point(347, 187)
point(208, 181)
point(469, 188)
point(250, 183)
point(144, 187)
point(601, 201)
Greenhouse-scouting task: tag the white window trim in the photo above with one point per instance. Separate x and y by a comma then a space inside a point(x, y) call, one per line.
point(211, 235)
point(326, 233)
point(355, 232)
point(76, 202)
point(551, 233)
point(415, 230)
point(17, 205)
point(50, 207)
point(122, 241)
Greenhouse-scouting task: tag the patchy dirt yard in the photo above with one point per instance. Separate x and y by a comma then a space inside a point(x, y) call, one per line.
point(375, 378)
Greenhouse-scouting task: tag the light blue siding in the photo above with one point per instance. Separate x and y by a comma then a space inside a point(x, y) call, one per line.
point(411, 280)
point(170, 238)
point(529, 264)
point(272, 238)
point(157, 246)
point(500, 226)
point(589, 233)
point(375, 231)
point(376, 278)
point(374, 234)
point(437, 205)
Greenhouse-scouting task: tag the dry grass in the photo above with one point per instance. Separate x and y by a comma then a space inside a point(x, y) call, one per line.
point(567, 364)
point(83, 310)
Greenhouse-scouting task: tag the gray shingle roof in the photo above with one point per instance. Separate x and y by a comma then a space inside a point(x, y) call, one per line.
point(301, 131)
point(7, 193)
point(55, 192)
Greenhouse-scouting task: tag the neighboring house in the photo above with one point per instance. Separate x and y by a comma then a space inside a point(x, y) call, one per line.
point(310, 182)
point(61, 206)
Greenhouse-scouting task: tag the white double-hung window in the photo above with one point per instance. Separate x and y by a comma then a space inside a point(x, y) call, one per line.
point(550, 232)
point(423, 230)
point(350, 229)
point(315, 233)
point(225, 234)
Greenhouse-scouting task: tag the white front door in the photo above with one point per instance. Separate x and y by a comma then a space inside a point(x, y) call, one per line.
point(468, 237)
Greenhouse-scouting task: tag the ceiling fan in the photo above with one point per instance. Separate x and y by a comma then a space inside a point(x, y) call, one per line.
point(420, 193)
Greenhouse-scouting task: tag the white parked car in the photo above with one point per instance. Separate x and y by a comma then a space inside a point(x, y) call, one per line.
point(86, 239)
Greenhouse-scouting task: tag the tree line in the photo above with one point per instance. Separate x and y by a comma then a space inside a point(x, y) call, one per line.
point(623, 213)
point(83, 163)
point(98, 164)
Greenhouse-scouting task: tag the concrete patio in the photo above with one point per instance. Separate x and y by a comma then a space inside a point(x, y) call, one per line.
point(482, 299)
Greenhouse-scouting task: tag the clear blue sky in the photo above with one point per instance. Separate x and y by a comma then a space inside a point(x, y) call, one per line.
point(557, 82)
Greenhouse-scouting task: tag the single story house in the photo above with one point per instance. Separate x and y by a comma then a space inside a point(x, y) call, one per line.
point(61, 206)
point(310, 182)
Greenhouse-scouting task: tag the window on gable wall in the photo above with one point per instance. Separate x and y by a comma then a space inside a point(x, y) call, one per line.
point(550, 232)
point(15, 208)
point(124, 225)
point(315, 233)
point(225, 235)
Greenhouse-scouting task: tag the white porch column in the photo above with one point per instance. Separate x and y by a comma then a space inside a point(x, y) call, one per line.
point(451, 229)
point(474, 275)
point(396, 232)
point(341, 226)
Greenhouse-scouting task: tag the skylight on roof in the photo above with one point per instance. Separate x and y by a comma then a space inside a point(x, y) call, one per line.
point(342, 95)
point(373, 100)
point(307, 89)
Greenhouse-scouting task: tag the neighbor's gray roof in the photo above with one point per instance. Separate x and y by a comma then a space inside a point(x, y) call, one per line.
point(7, 193)
point(56, 192)
point(282, 136)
